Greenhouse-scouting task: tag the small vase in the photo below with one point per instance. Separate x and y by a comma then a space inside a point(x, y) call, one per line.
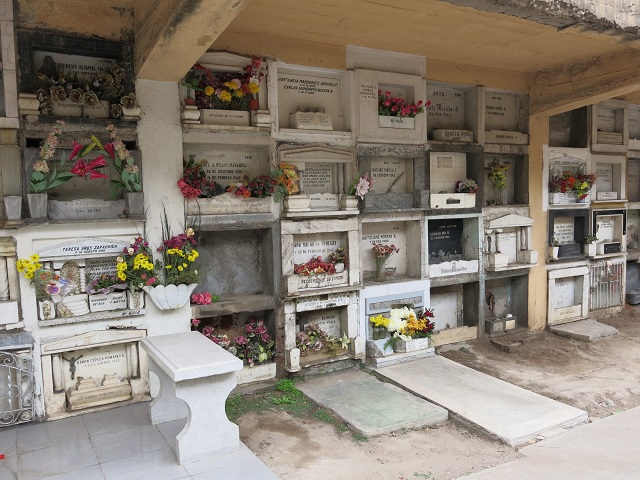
point(170, 297)
point(38, 203)
point(254, 104)
point(131, 113)
point(13, 207)
point(379, 333)
point(381, 273)
point(135, 203)
point(135, 300)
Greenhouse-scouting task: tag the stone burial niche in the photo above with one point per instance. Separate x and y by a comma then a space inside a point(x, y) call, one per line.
point(93, 369)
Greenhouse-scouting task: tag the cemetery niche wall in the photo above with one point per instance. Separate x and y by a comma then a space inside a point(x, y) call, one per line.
point(453, 115)
point(453, 247)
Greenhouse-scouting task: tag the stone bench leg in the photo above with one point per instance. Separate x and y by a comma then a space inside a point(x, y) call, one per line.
point(165, 407)
point(208, 430)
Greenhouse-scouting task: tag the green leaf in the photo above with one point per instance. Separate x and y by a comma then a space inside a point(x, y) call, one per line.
point(125, 176)
point(37, 176)
point(39, 187)
point(137, 187)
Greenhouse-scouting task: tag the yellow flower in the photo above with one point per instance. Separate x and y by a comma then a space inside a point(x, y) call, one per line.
point(35, 257)
point(239, 93)
point(225, 96)
point(193, 255)
point(180, 268)
point(28, 275)
point(168, 267)
point(184, 265)
point(208, 90)
point(254, 87)
point(121, 275)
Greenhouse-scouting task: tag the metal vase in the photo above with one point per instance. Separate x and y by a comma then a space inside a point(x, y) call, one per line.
point(38, 203)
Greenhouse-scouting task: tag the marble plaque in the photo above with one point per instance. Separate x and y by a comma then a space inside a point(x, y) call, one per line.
point(384, 304)
point(605, 230)
point(297, 283)
point(307, 246)
point(95, 363)
point(327, 320)
point(606, 119)
point(634, 123)
point(83, 66)
point(604, 174)
point(633, 229)
point(226, 164)
point(319, 302)
point(507, 245)
point(387, 233)
point(85, 209)
point(445, 240)
point(565, 292)
point(68, 108)
point(389, 175)
point(297, 91)
point(318, 178)
point(633, 180)
point(100, 266)
point(445, 308)
point(324, 201)
point(446, 109)
point(101, 302)
point(84, 247)
point(563, 230)
point(501, 111)
point(457, 267)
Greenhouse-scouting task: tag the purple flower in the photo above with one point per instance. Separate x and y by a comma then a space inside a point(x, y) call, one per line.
point(265, 337)
point(207, 331)
point(241, 340)
point(248, 328)
point(261, 329)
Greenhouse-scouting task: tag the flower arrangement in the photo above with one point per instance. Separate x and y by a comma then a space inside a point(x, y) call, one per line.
point(135, 265)
point(194, 182)
point(105, 284)
point(379, 321)
point(384, 251)
point(580, 184)
point(467, 186)
point(42, 178)
point(128, 178)
point(53, 84)
point(225, 91)
point(316, 266)
point(48, 285)
point(590, 239)
point(316, 339)
point(261, 186)
point(389, 106)
point(339, 255)
point(360, 186)
point(418, 325)
point(256, 346)
point(287, 176)
point(497, 175)
point(178, 257)
point(203, 298)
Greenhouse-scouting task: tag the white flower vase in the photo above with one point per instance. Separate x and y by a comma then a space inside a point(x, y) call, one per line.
point(170, 297)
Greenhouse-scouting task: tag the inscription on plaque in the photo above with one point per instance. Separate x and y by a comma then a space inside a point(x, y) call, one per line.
point(317, 178)
point(388, 175)
point(84, 247)
point(327, 320)
point(305, 91)
point(500, 111)
point(227, 165)
point(445, 240)
point(563, 230)
point(100, 266)
point(446, 109)
point(605, 230)
point(95, 362)
point(507, 245)
point(633, 180)
point(604, 174)
point(606, 119)
point(565, 292)
point(381, 305)
point(309, 246)
point(318, 302)
point(389, 233)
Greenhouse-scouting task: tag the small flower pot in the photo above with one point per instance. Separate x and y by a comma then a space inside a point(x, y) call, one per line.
point(13, 207)
point(135, 300)
point(135, 203)
point(590, 249)
point(170, 297)
point(38, 204)
point(379, 333)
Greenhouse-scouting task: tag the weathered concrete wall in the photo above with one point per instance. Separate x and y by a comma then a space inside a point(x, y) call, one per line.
point(625, 13)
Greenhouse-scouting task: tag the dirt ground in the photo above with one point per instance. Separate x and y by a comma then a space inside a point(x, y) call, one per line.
point(601, 377)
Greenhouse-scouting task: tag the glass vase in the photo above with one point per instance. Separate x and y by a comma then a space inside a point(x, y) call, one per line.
point(381, 274)
point(379, 333)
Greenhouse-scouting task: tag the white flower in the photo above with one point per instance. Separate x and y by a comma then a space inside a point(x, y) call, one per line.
point(130, 250)
point(120, 260)
point(398, 318)
point(362, 187)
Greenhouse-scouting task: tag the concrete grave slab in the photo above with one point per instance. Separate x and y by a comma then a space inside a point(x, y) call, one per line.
point(585, 330)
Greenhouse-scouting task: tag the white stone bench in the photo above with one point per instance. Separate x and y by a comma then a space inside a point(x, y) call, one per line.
point(194, 369)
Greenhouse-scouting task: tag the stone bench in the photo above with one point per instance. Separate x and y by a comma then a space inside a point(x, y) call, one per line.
point(194, 369)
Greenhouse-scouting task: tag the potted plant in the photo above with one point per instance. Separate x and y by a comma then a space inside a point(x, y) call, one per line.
point(379, 327)
point(554, 248)
point(417, 331)
point(395, 112)
point(339, 259)
point(590, 245)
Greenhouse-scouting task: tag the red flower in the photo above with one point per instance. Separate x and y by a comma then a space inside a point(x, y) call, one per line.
point(110, 150)
point(82, 169)
point(76, 149)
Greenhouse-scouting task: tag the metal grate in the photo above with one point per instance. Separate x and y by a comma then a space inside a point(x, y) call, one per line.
point(16, 387)
point(606, 285)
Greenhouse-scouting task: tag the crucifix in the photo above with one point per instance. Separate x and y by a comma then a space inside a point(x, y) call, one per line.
point(72, 365)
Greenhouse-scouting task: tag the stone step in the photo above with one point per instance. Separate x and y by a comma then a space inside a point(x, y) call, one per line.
point(585, 330)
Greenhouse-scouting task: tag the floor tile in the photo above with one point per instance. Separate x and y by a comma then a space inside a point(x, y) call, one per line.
point(8, 439)
point(157, 465)
point(39, 435)
point(170, 431)
point(243, 461)
point(117, 419)
point(63, 457)
point(90, 473)
point(127, 443)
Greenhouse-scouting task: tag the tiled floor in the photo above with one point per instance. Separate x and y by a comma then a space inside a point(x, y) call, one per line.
point(116, 444)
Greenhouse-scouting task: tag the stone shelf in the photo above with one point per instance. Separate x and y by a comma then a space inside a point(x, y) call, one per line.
point(321, 213)
point(91, 317)
point(454, 279)
point(231, 304)
point(506, 149)
point(230, 222)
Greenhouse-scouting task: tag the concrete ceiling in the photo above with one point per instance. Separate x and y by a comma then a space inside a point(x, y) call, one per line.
point(439, 30)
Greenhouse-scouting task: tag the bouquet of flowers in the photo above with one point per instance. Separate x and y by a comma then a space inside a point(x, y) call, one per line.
point(315, 266)
point(419, 325)
point(225, 91)
point(203, 298)
point(568, 182)
point(105, 284)
point(316, 339)
point(389, 106)
point(48, 285)
point(256, 346)
point(261, 186)
point(467, 186)
point(135, 265)
point(42, 177)
point(194, 182)
point(383, 252)
point(178, 257)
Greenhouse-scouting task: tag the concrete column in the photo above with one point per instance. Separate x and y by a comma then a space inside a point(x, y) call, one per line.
point(539, 134)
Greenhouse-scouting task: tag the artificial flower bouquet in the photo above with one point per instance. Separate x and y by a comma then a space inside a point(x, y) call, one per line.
point(467, 186)
point(317, 266)
point(194, 182)
point(135, 265)
point(48, 285)
point(360, 186)
point(567, 182)
point(383, 252)
point(313, 338)
point(390, 106)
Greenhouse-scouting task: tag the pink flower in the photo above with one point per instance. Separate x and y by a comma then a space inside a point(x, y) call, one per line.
point(266, 337)
point(362, 187)
point(241, 340)
point(248, 328)
point(195, 322)
point(207, 331)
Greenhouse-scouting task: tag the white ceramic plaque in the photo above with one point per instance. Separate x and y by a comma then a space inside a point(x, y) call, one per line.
point(445, 309)
point(507, 245)
point(606, 119)
point(319, 302)
point(317, 178)
point(565, 292)
point(100, 266)
point(327, 320)
point(226, 164)
point(605, 229)
point(604, 174)
point(389, 175)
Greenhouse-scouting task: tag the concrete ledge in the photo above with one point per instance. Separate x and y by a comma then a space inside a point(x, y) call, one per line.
point(585, 330)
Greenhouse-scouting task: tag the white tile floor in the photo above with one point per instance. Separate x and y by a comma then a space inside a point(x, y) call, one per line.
point(116, 444)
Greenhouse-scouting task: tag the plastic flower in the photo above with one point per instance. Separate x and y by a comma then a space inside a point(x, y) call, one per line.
point(209, 90)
